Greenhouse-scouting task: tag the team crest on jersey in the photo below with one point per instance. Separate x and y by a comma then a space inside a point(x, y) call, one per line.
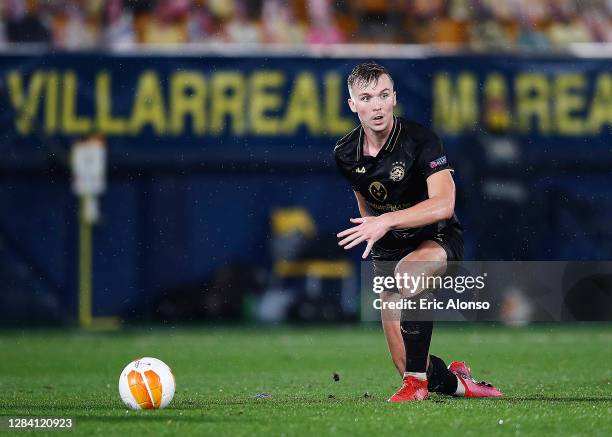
point(378, 191)
point(397, 171)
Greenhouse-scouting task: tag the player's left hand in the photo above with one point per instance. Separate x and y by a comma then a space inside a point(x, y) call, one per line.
point(370, 229)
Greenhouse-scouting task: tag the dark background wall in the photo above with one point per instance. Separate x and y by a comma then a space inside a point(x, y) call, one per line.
point(180, 205)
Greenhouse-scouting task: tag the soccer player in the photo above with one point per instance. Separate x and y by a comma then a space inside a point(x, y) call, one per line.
point(406, 196)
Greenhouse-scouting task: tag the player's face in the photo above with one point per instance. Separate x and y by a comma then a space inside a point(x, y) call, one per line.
point(374, 103)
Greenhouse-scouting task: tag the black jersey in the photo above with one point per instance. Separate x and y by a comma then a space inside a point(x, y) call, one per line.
point(396, 178)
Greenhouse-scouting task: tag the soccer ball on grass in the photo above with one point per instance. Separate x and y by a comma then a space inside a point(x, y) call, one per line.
point(146, 383)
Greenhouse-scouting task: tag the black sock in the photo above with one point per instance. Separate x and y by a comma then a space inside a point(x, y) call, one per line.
point(439, 378)
point(417, 337)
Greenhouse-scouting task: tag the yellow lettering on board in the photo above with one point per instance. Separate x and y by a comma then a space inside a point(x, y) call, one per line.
point(455, 106)
point(25, 107)
point(569, 99)
point(72, 124)
point(335, 123)
point(228, 100)
point(148, 105)
point(303, 107)
point(533, 101)
point(51, 102)
point(600, 113)
point(107, 124)
point(265, 98)
point(187, 97)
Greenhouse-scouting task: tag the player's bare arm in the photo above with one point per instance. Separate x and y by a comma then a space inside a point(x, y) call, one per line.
point(439, 206)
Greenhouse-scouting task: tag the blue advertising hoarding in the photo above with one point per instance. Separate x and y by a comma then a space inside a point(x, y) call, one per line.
point(202, 148)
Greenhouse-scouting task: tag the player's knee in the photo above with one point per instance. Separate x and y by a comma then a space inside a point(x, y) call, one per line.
point(418, 263)
point(405, 273)
point(425, 261)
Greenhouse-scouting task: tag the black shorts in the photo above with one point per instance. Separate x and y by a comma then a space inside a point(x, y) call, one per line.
point(451, 240)
point(449, 237)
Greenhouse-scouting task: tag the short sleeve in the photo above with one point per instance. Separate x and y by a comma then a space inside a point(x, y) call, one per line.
point(345, 172)
point(431, 157)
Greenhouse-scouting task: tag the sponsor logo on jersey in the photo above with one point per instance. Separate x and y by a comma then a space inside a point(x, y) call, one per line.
point(397, 171)
point(438, 162)
point(386, 207)
point(360, 169)
point(378, 191)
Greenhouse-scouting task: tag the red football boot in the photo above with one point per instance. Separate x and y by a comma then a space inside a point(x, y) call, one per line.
point(413, 389)
point(472, 388)
point(460, 369)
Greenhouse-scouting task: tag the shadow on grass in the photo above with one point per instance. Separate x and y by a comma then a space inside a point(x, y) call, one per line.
point(558, 398)
point(29, 408)
point(73, 409)
point(137, 418)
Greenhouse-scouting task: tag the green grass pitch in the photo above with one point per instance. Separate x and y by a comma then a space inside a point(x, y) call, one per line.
point(557, 380)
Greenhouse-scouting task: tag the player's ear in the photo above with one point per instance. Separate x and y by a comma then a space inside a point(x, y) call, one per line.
point(351, 104)
point(394, 98)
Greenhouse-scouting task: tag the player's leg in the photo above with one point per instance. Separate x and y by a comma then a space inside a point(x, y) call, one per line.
point(392, 329)
point(456, 379)
point(432, 260)
point(411, 352)
point(409, 341)
point(428, 258)
point(390, 317)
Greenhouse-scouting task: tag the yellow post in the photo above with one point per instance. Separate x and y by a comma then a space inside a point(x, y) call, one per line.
point(85, 261)
point(86, 318)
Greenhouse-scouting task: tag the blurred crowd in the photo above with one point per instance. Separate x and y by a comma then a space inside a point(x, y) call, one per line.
point(474, 24)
